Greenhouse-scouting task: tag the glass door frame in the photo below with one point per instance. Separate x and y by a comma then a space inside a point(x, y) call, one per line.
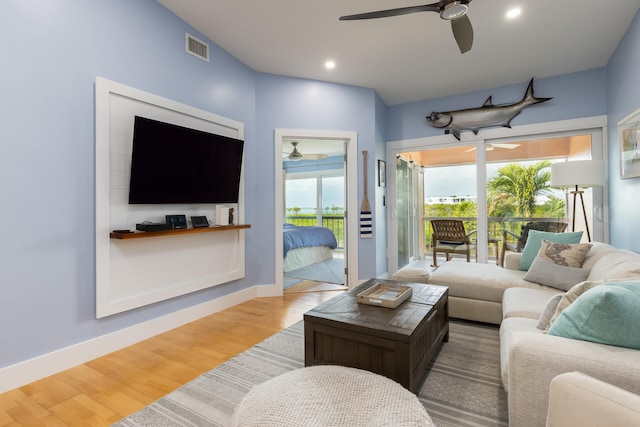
point(596, 126)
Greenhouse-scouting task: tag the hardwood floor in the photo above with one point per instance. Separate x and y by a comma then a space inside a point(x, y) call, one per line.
point(105, 390)
point(313, 286)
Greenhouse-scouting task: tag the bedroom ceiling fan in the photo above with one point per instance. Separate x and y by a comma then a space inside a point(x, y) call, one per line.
point(449, 10)
point(297, 155)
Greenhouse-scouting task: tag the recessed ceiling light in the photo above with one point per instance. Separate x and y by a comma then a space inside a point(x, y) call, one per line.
point(514, 13)
point(330, 65)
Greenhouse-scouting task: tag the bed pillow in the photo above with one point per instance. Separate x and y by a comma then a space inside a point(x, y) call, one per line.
point(545, 318)
point(534, 240)
point(566, 254)
point(607, 314)
point(555, 276)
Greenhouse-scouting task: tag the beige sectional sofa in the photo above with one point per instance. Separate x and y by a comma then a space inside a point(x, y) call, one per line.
point(576, 399)
point(531, 358)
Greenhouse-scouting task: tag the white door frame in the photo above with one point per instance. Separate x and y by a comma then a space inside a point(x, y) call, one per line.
point(351, 191)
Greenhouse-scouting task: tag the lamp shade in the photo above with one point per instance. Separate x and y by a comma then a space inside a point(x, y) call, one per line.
point(583, 173)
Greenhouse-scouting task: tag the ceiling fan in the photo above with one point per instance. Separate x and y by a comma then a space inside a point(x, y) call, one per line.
point(491, 147)
point(297, 155)
point(449, 10)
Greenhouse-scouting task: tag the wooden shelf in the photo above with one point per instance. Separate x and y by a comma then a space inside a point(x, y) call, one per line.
point(147, 234)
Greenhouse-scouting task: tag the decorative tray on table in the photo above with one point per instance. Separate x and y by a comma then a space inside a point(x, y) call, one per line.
point(383, 294)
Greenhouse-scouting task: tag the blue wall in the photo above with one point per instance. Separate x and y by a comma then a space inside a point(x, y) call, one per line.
point(47, 166)
point(380, 217)
point(288, 103)
point(623, 98)
point(51, 54)
point(574, 95)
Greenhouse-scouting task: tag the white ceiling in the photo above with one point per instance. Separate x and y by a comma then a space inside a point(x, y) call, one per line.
point(412, 57)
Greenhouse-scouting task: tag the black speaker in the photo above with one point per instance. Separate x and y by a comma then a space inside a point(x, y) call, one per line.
point(199, 221)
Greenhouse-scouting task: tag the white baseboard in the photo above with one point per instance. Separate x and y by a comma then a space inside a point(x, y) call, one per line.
point(39, 367)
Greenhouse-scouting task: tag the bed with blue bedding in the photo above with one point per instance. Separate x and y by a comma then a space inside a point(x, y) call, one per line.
point(306, 245)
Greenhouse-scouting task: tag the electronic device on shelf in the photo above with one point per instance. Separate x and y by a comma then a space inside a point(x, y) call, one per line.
point(199, 221)
point(177, 222)
point(150, 226)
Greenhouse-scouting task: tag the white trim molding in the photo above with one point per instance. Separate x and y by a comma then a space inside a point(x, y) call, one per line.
point(351, 139)
point(39, 367)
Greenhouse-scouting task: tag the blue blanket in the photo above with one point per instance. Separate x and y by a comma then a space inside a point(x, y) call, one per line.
point(300, 237)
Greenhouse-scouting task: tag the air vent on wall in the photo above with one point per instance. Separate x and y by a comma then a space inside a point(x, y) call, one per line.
point(197, 47)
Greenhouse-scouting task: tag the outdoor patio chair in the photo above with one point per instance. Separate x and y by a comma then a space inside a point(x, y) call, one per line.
point(521, 240)
point(450, 237)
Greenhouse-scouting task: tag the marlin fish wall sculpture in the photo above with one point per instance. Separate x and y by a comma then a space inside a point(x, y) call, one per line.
point(486, 116)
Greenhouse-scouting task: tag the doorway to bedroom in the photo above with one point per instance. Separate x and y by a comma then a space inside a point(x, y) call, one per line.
point(314, 203)
point(314, 175)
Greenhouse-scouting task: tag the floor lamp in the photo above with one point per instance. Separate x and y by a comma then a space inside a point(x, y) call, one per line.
point(579, 173)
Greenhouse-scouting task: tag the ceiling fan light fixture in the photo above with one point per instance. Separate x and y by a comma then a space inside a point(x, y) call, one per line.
point(295, 154)
point(454, 10)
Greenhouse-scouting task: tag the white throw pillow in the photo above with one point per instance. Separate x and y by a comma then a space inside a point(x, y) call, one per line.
point(547, 313)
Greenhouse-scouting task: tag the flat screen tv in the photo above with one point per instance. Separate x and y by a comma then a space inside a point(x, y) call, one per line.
point(176, 164)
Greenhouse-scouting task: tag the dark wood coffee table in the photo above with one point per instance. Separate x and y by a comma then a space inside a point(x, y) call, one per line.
point(397, 343)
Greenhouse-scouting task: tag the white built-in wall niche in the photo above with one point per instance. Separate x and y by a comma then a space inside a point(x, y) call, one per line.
point(137, 272)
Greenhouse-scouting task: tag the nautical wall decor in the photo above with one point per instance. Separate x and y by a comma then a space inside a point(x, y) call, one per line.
point(486, 116)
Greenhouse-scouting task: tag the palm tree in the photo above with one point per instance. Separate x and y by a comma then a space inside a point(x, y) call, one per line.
point(514, 188)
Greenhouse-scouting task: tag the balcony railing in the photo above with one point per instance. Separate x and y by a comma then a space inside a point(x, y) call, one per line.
point(335, 223)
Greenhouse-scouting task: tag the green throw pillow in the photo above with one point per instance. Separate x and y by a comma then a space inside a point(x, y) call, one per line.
point(534, 240)
point(606, 314)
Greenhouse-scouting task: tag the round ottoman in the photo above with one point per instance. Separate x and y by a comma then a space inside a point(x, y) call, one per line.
point(330, 396)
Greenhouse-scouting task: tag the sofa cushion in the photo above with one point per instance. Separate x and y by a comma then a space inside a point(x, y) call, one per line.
point(607, 314)
point(597, 251)
point(526, 302)
point(485, 282)
point(512, 260)
point(616, 265)
point(534, 240)
point(556, 276)
point(565, 254)
point(418, 271)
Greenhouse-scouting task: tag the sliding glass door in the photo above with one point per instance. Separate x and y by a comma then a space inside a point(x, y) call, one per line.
point(519, 187)
point(494, 185)
point(407, 202)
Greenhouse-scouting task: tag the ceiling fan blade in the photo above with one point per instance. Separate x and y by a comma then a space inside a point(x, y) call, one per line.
point(505, 145)
point(490, 147)
point(463, 33)
point(314, 156)
point(393, 12)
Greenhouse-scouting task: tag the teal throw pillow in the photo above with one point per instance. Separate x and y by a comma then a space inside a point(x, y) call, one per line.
point(606, 314)
point(534, 240)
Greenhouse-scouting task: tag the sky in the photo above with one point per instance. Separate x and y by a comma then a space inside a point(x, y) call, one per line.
point(439, 182)
point(302, 193)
